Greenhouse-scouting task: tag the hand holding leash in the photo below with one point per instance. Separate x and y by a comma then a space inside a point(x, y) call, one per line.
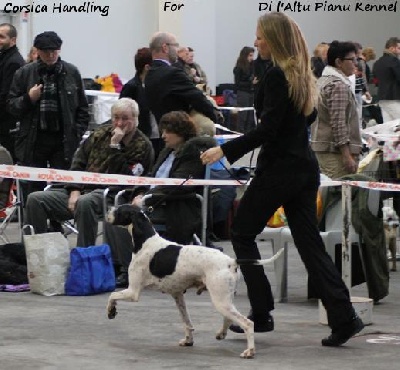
point(211, 155)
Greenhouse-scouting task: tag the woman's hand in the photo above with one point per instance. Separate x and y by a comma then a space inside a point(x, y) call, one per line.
point(211, 155)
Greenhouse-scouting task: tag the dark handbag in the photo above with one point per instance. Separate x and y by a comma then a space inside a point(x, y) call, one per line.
point(91, 271)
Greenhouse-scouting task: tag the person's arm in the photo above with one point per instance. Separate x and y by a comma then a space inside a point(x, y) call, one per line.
point(184, 89)
point(19, 102)
point(7, 77)
point(396, 70)
point(337, 104)
point(274, 107)
point(82, 109)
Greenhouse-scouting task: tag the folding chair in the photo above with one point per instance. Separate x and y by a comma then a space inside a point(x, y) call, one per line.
point(159, 224)
point(9, 204)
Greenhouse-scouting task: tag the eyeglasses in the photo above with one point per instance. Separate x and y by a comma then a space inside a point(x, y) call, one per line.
point(172, 44)
point(354, 60)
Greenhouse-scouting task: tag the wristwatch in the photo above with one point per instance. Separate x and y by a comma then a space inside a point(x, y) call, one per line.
point(115, 146)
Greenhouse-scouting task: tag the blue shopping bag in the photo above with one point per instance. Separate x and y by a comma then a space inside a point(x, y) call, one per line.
point(91, 271)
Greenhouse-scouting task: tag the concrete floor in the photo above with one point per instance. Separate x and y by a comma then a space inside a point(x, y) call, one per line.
point(63, 332)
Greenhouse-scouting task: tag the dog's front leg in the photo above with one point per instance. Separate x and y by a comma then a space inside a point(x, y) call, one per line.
point(180, 303)
point(128, 294)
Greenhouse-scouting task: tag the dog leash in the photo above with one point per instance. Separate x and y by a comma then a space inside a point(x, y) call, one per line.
point(151, 208)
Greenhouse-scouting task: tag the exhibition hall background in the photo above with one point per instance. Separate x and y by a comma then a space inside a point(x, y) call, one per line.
point(216, 29)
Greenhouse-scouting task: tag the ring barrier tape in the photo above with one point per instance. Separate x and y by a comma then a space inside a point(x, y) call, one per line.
point(81, 177)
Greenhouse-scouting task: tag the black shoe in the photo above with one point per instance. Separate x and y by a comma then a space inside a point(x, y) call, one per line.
point(260, 326)
point(122, 280)
point(344, 333)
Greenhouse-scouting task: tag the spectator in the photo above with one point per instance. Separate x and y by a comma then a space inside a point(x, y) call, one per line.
point(48, 99)
point(119, 148)
point(32, 55)
point(318, 61)
point(134, 89)
point(387, 70)
point(183, 53)
point(361, 86)
point(10, 61)
point(195, 71)
point(368, 54)
point(168, 88)
point(244, 83)
point(179, 159)
point(335, 135)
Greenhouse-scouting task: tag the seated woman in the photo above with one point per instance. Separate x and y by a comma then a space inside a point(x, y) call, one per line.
point(182, 213)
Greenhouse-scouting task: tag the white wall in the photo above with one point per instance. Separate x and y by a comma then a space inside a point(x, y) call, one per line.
point(216, 29)
point(237, 20)
point(100, 45)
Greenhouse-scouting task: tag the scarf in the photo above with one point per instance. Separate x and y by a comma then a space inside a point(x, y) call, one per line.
point(331, 71)
point(49, 106)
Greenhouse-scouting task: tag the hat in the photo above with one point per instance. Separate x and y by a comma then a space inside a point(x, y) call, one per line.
point(48, 40)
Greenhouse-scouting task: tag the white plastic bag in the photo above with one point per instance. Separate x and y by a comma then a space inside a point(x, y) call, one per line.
point(48, 260)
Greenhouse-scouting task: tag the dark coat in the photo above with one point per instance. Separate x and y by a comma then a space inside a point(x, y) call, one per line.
point(134, 89)
point(244, 79)
point(182, 211)
point(10, 61)
point(282, 133)
point(387, 70)
point(169, 89)
point(74, 109)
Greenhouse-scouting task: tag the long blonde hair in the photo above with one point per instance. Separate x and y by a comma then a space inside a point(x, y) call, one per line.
point(289, 52)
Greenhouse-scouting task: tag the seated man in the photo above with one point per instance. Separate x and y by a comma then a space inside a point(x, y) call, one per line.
point(119, 148)
point(179, 159)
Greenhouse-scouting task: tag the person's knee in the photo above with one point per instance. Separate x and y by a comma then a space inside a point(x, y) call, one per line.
point(35, 199)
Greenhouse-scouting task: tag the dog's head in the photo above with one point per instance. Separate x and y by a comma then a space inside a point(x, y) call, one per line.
point(135, 220)
point(390, 218)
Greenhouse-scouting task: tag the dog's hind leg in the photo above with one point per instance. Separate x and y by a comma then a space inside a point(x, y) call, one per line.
point(223, 302)
point(180, 303)
point(125, 295)
point(392, 249)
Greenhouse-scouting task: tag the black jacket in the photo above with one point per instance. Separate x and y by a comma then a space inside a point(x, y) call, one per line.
point(134, 89)
point(74, 109)
point(169, 89)
point(244, 79)
point(281, 132)
point(181, 210)
point(10, 61)
point(387, 70)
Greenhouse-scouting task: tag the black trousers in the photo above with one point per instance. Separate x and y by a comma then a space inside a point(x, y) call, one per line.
point(48, 151)
point(297, 192)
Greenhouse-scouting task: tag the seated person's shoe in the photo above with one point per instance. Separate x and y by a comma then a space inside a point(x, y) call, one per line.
point(261, 325)
point(122, 280)
point(344, 333)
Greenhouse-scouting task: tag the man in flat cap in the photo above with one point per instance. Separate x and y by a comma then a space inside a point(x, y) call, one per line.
point(48, 98)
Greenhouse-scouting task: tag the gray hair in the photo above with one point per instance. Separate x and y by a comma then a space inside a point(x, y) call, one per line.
point(126, 104)
point(158, 40)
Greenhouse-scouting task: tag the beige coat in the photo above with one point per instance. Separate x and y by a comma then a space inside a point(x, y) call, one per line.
point(337, 123)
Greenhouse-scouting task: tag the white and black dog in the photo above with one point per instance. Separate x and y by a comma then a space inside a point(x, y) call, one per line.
point(172, 268)
point(391, 224)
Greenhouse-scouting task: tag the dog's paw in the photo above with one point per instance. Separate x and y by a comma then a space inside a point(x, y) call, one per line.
point(186, 343)
point(221, 335)
point(248, 353)
point(112, 312)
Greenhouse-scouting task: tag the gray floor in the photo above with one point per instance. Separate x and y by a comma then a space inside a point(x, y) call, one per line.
point(74, 333)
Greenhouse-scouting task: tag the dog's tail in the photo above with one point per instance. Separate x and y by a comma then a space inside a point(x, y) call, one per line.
point(262, 262)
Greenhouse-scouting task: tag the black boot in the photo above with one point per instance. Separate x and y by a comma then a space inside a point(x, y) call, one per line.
point(262, 323)
point(344, 333)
